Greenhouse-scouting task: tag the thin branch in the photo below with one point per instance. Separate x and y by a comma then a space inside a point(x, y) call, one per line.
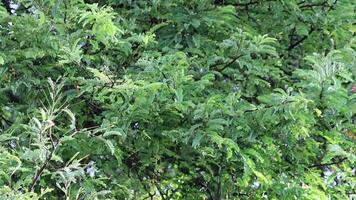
point(8, 122)
point(173, 191)
point(48, 159)
point(297, 43)
point(328, 164)
point(159, 190)
point(214, 66)
point(40, 171)
point(246, 4)
point(321, 91)
point(144, 185)
point(230, 63)
point(219, 189)
point(65, 11)
point(324, 3)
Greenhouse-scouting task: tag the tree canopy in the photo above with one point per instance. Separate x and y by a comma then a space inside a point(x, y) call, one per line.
point(177, 99)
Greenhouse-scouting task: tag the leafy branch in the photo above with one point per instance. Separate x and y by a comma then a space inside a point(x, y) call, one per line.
point(45, 128)
point(44, 165)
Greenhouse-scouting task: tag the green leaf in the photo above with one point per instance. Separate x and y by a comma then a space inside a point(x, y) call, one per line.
point(113, 132)
point(6, 137)
point(101, 76)
point(111, 146)
point(302, 29)
point(2, 61)
point(260, 177)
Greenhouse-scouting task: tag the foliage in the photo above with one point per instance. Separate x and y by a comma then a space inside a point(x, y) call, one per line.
point(179, 99)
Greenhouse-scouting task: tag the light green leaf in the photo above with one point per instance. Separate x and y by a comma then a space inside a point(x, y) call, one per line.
point(112, 132)
point(2, 61)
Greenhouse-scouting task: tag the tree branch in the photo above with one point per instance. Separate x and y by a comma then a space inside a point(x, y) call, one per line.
point(328, 164)
point(297, 43)
point(301, 5)
point(247, 4)
point(214, 66)
point(40, 171)
point(48, 158)
point(219, 185)
point(162, 194)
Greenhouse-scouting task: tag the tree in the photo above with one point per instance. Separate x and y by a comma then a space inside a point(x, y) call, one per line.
point(180, 99)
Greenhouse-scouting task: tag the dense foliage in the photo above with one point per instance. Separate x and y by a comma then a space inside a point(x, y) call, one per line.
point(177, 99)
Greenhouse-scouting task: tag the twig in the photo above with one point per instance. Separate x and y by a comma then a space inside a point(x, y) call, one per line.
point(324, 3)
point(40, 171)
point(65, 11)
point(172, 193)
point(292, 46)
point(225, 64)
point(8, 122)
point(159, 190)
point(246, 4)
point(328, 164)
point(219, 189)
point(48, 158)
point(144, 185)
